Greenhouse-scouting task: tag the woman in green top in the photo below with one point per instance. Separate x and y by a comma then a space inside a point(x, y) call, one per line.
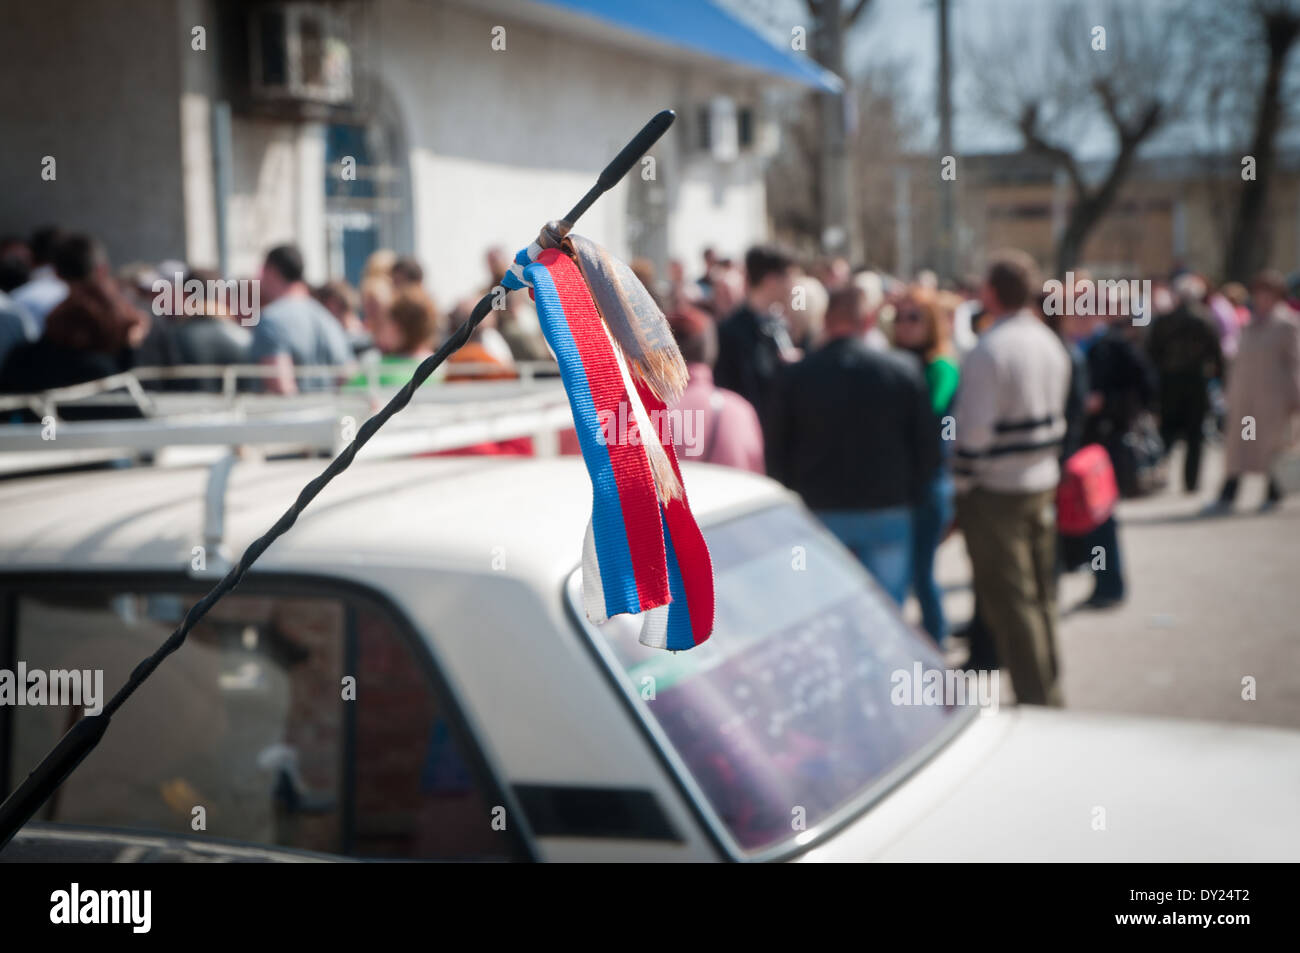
point(923, 326)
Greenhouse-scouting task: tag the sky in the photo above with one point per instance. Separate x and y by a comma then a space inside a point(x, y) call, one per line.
point(901, 36)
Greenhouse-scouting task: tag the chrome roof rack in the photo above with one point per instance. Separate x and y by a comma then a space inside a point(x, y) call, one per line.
point(441, 417)
point(217, 554)
point(219, 429)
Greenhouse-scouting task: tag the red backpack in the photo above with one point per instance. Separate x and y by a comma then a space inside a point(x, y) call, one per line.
point(1087, 493)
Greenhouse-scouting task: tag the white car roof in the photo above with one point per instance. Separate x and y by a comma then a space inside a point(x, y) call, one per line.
point(498, 626)
point(444, 511)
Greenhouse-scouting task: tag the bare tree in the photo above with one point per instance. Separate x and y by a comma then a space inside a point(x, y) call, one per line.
point(1221, 106)
point(1115, 71)
point(794, 182)
point(832, 20)
point(1254, 39)
point(877, 146)
point(886, 126)
point(811, 196)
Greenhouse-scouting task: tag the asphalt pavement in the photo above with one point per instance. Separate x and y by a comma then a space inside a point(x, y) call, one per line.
point(1213, 608)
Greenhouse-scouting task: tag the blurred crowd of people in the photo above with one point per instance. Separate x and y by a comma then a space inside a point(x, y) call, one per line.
point(67, 317)
point(897, 410)
point(902, 410)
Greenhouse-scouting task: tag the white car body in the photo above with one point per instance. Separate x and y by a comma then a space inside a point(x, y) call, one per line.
point(480, 554)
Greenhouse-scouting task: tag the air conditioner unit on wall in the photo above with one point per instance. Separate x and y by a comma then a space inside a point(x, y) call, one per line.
point(299, 51)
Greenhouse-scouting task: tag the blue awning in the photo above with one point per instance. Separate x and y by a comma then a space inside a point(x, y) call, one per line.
point(702, 27)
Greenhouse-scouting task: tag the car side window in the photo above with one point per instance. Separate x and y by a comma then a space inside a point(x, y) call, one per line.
point(416, 796)
point(292, 719)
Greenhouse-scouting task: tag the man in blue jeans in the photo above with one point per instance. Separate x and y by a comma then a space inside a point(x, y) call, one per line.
point(852, 432)
point(882, 541)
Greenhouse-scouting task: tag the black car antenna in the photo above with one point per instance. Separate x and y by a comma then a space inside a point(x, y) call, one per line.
point(82, 737)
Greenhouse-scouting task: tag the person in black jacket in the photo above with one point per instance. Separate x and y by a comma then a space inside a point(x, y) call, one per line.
point(754, 343)
point(1185, 349)
point(853, 433)
point(1123, 383)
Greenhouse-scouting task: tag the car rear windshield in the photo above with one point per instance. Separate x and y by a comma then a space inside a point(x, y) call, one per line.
point(783, 719)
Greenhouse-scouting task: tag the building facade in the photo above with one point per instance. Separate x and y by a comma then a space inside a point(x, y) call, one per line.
point(1172, 212)
point(207, 132)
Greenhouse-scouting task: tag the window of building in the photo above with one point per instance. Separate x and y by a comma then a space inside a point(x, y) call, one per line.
point(366, 197)
point(745, 127)
point(703, 127)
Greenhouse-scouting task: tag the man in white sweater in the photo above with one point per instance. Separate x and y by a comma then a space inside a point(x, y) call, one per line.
point(1010, 413)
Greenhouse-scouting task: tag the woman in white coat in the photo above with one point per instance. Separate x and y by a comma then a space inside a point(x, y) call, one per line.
point(1263, 391)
